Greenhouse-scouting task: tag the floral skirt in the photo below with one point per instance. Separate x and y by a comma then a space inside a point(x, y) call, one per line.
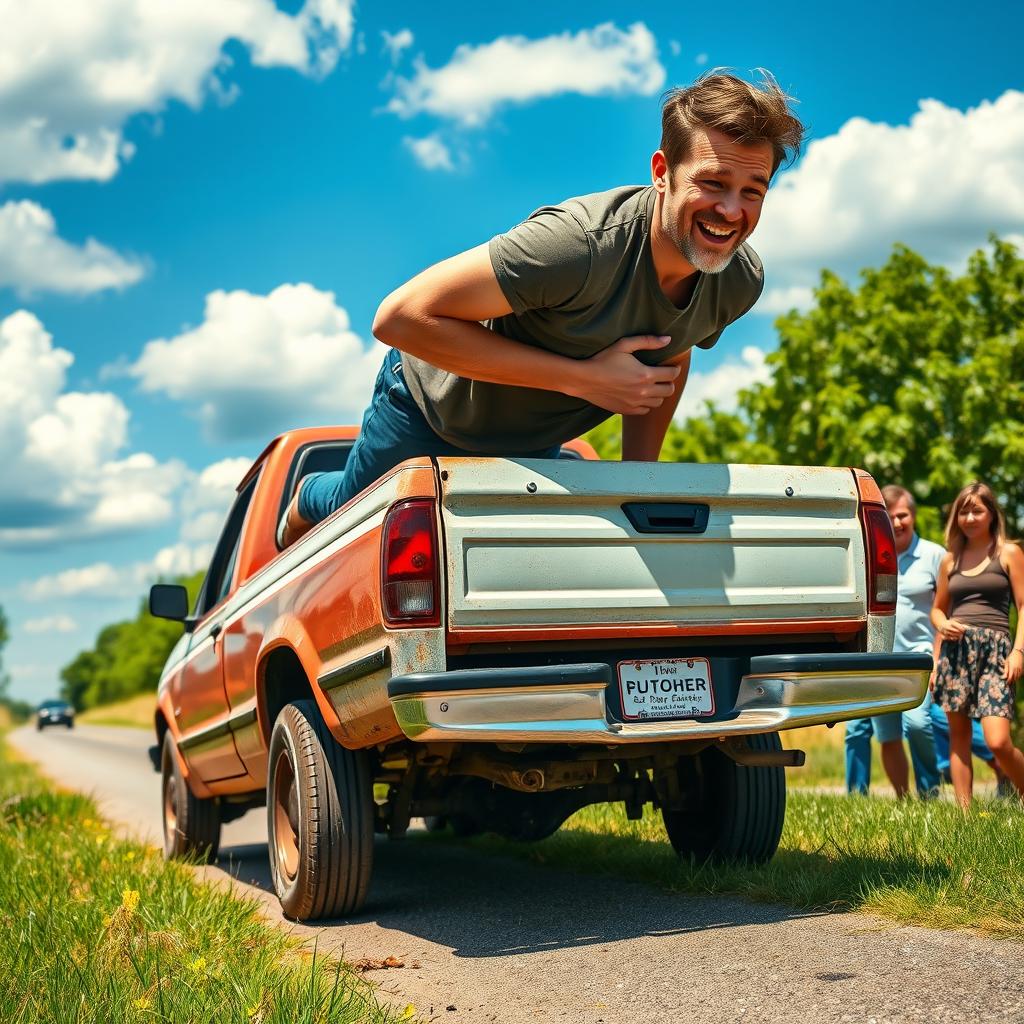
point(969, 678)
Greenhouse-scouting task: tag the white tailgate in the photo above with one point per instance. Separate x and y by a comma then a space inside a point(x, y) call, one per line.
point(546, 542)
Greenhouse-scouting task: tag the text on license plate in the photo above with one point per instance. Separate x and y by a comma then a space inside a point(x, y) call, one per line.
point(666, 689)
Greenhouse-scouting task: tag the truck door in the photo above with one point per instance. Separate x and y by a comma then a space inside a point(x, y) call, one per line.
point(200, 700)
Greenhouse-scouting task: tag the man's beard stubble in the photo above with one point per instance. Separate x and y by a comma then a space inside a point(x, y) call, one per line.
point(700, 259)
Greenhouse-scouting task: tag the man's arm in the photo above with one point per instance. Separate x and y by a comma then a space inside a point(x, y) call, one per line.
point(643, 436)
point(436, 315)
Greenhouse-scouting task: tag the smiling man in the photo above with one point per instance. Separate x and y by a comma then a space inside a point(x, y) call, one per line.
point(587, 308)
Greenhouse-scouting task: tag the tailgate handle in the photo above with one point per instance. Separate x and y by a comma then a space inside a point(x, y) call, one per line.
point(667, 516)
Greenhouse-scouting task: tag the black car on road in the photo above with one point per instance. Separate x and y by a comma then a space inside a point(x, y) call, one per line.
point(55, 712)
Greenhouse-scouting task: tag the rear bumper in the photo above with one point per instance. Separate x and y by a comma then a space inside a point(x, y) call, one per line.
point(568, 703)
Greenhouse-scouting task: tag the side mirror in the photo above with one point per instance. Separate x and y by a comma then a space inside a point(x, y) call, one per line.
point(168, 601)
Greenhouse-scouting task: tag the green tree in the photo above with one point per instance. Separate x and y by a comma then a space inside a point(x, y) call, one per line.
point(915, 374)
point(126, 658)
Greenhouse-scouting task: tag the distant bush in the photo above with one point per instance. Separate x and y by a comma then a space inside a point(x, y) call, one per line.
point(127, 657)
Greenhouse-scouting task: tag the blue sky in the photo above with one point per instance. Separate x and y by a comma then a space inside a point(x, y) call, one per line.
point(296, 162)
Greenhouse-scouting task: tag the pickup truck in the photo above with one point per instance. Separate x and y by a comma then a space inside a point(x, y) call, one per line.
point(493, 644)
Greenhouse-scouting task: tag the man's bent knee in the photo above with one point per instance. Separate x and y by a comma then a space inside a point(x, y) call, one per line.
point(319, 495)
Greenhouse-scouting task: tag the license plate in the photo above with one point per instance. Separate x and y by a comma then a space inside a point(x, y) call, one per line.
point(673, 688)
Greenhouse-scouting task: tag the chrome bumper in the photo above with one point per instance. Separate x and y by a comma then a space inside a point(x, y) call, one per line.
point(567, 703)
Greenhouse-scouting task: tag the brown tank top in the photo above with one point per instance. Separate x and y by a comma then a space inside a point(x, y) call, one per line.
point(982, 600)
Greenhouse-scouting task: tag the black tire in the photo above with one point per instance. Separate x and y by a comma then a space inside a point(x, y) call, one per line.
point(728, 812)
point(70, 725)
point(319, 817)
point(191, 824)
point(435, 822)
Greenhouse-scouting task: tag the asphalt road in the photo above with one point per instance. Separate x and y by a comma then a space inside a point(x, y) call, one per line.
point(495, 939)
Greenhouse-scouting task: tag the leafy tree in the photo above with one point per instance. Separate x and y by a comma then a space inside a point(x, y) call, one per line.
point(126, 659)
point(916, 375)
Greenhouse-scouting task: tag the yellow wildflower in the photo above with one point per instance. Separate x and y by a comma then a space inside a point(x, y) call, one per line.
point(130, 900)
point(130, 855)
point(408, 1013)
point(199, 964)
point(142, 1003)
point(106, 920)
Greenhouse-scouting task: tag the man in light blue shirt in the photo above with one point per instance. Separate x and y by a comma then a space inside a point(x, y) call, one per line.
point(919, 562)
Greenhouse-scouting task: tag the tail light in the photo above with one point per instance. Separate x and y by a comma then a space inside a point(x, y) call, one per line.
point(409, 582)
point(883, 568)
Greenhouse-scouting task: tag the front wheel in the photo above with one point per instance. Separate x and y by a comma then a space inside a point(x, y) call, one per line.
point(727, 811)
point(319, 817)
point(191, 823)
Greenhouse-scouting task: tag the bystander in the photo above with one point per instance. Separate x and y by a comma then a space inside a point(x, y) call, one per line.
point(919, 562)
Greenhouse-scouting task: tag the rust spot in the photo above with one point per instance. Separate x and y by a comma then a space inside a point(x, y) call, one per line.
point(422, 653)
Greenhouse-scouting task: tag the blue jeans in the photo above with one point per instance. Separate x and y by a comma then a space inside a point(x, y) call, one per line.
point(940, 727)
point(394, 429)
point(915, 725)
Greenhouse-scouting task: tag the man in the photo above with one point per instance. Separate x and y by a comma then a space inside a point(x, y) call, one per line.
point(918, 562)
point(586, 309)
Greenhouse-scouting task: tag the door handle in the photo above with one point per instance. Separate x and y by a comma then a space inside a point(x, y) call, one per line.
point(215, 631)
point(667, 516)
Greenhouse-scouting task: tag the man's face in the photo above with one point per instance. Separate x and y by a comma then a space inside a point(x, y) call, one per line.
point(712, 200)
point(902, 519)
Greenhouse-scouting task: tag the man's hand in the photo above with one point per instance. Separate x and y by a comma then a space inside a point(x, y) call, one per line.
point(616, 380)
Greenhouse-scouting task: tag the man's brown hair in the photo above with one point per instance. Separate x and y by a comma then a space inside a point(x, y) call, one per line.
point(892, 493)
point(748, 113)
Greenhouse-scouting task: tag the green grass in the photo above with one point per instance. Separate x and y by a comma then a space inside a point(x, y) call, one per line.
point(916, 863)
point(135, 712)
point(98, 929)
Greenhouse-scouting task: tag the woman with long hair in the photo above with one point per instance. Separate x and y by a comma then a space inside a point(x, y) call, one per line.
point(978, 664)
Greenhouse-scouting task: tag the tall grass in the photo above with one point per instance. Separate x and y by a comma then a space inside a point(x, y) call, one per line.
point(919, 863)
point(98, 929)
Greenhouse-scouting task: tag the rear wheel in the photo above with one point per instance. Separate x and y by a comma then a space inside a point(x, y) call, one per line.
point(727, 811)
point(191, 823)
point(319, 817)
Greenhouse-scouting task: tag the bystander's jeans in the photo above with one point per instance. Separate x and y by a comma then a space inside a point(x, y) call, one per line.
point(916, 726)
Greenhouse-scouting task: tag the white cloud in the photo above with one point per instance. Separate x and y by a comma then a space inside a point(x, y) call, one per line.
point(675, 47)
point(206, 501)
point(176, 560)
point(64, 472)
point(101, 578)
point(284, 360)
point(513, 69)
point(51, 624)
point(781, 300)
point(33, 257)
point(71, 75)
point(701, 59)
point(431, 153)
point(939, 184)
point(396, 43)
point(206, 497)
point(721, 385)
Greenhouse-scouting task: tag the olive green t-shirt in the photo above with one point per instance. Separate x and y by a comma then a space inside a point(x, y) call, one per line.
point(579, 276)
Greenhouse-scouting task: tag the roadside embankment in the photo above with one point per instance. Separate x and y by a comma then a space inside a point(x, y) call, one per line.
point(98, 928)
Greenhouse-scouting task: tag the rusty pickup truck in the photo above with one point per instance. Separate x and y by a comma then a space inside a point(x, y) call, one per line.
point(493, 644)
